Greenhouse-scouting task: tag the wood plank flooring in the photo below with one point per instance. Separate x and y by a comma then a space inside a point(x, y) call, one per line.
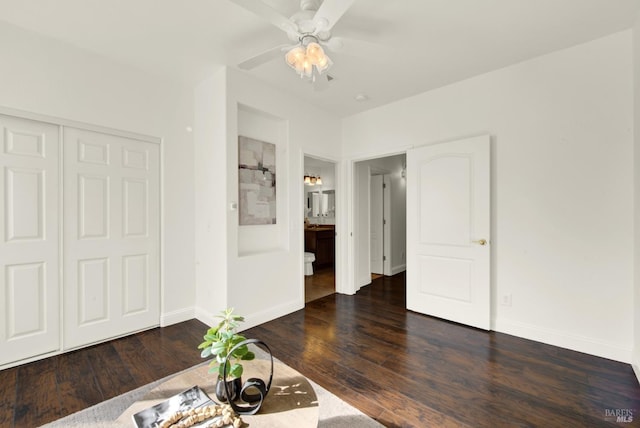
point(406, 369)
point(40, 392)
point(399, 367)
point(320, 284)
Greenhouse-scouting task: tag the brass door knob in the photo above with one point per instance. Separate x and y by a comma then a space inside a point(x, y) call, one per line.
point(480, 241)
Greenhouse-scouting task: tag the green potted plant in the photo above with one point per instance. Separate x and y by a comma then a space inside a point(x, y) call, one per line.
point(218, 342)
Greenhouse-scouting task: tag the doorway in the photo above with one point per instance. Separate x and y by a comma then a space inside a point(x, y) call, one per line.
point(380, 218)
point(319, 228)
point(447, 219)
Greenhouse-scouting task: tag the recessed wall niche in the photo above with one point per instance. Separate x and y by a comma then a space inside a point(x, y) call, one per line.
point(261, 126)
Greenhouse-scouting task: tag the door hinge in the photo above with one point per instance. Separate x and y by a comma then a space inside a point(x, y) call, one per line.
point(384, 221)
point(384, 258)
point(384, 185)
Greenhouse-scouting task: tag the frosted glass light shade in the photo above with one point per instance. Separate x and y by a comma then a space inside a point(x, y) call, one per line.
point(303, 60)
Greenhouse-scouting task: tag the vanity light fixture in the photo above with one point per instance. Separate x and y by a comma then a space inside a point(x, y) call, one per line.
point(312, 180)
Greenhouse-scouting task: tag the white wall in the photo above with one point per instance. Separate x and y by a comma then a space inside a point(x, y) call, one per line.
point(562, 225)
point(265, 283)
point(43, 76)
point(636, 157)
point(210, 166)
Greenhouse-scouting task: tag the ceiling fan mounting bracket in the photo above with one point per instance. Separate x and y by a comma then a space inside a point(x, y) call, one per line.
point(310, 4)
point(305, 39)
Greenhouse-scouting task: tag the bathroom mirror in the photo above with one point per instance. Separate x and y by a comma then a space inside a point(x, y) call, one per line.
point(321, 203)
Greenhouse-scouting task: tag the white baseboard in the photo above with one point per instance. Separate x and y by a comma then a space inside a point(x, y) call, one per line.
point(563, 340)
point(206, 316)
point(175, 317)
point(397, 269)
point(252, 320)
point(269, 314)
point(636, 365)
point(365, 280)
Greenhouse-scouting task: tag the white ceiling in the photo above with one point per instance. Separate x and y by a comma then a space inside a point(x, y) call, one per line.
point(425, 44)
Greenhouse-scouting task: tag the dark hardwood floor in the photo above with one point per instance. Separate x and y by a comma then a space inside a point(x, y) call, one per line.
point(320, 284)
point(406, 369)
point(40, 392)
point(399, 367)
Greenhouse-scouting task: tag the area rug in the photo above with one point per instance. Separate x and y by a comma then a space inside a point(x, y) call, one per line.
point(332, 411)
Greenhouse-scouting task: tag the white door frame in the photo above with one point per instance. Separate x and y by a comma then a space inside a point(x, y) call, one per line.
point(350, 283)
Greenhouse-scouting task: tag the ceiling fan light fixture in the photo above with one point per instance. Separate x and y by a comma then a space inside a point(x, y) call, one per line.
point(305, 56)
point(295, 56)
point(314, 52)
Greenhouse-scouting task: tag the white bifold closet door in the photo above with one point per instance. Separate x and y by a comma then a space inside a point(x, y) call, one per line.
point(111, 239)
point(29, 244)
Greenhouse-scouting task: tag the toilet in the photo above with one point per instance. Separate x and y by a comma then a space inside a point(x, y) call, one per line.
point(309, 258)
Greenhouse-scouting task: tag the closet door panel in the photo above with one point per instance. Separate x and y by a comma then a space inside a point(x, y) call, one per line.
point(29, 239)
point(112, 212)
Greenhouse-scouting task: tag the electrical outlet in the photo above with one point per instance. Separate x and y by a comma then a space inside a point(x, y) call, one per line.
point(506, 300)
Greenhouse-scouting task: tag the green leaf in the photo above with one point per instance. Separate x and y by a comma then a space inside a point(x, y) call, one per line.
point(236, 371)
point(213, 366)
point(218, 348)
point(204, 344)
point(211, 337)
point(237, 338)
point(248, 356)
point(206, 353)
point(240, 351)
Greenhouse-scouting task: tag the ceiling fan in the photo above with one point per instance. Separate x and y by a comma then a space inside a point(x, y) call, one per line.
point(309, 33)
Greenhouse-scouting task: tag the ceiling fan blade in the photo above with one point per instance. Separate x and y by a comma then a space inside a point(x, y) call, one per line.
point(330, 12)
point(263, 57)
point(268, 13)
point(358, 48)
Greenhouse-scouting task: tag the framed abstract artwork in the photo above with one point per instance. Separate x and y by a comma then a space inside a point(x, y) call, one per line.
point(256, 181)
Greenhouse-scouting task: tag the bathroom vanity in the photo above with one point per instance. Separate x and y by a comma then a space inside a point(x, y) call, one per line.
point(319, 239)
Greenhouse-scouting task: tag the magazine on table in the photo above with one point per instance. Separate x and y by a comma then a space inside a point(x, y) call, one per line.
point(190, 399)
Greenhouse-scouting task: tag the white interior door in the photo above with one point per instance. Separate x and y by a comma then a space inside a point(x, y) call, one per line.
point(376, 225)
point(29, 243)
point(111, 221)
point(448, 230)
